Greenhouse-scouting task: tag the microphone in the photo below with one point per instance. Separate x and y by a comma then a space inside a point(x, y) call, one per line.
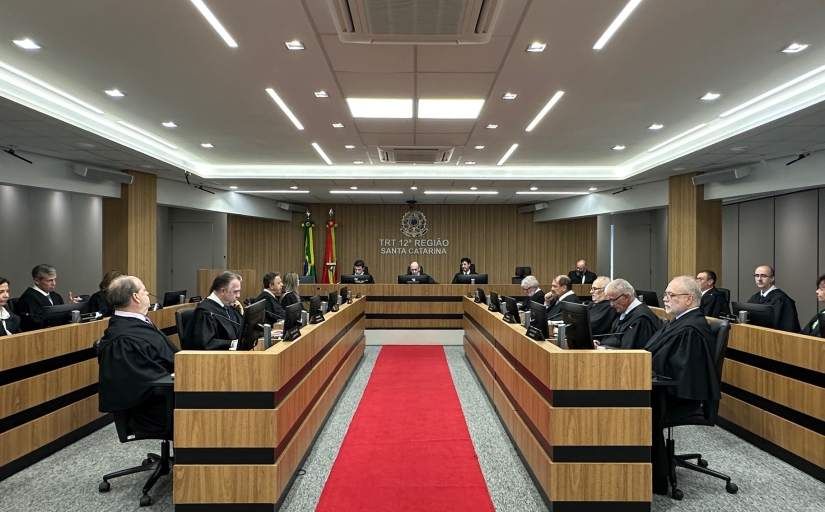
point(226, 317)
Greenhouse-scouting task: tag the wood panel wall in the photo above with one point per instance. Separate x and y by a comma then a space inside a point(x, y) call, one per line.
point(694, 229)
point(251, 284)
point(495, 237)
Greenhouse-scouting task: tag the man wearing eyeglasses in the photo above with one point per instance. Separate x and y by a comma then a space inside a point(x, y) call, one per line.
point(784, 307)
point(602, 315)
point(713, 303)
point(530, 285)
point(684, 352)
point(636, 323)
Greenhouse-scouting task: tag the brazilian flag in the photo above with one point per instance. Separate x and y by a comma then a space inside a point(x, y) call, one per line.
point(309, 248)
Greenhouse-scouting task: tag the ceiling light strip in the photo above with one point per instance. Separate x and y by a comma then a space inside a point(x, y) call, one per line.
point(283, 106)
point(556, 97)
point(49, 87)
point(684, 134)
point(628, 9)
point(147, 134)
point(553, 193)
point(204, 10)
point(460, 192)
point(774, 91)
point(507, 154)
point(321, 152)
point(273, 191)
point(379, 192)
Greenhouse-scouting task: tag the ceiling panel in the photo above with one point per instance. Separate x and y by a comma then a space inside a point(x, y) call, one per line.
point(473, 58)
point(377, 85)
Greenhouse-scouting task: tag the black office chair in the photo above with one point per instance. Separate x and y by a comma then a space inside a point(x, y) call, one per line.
point(306, 279)
point(705, 416)
point(520, 274)
point(11, 304)
point(726, 293)
point(249, 301)
point(159, 465)
point(84, 298)
point(821, 318)
point(182, 317)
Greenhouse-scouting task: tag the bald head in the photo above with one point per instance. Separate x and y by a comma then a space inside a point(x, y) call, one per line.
point(598, 287)
point(127, 293)
point(581, 266)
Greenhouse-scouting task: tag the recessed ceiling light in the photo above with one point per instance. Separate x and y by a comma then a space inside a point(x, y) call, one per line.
point(628, 9)
point(50, 87)
point(147, 134)
point(358, 162)
point(461, 192)
point(774, 91)
point(413, 188)
point(492, 126)
point(275, 191)
point(469, 162)
point(381, 192)
point(146, 166)
point(280, 102)
point(321, 152)
point(204, 10)
point(26, 44)
point(473, 188)
point(556, 97)
point(293, 187)
point(507, 154)
point(680, 168)
point(536, 47)
point(114, 93)
point(739, 149)
point(353, 188)
point(85, 145)
point(349, 146)
point(381, 108)
point(618, 147)
point(207, 145)
point(710, 96)
point(655, 126)
point(534, 188)
point(592, 189)
point(169, 124)
point(509, 96)
point(479, 147)
point(233, 187)
point(683, 134)
point(449, 109)
point(321, 94)
point(294, 45)
point(791, 48)
point(552, 193)
point(337, 125)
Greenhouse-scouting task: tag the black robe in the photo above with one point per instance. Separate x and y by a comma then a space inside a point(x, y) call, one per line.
point(289, 299)
point(602, 316)
point(98, 303)
point(811, 329)
point(554, 308)
point(30, 308)
point(576, 278)
point(131, 354)
point(634, 331)
point(714, 303)
point(274, 310)
point(683, 351)
point(455, 277)
point(212, 327)
point(536, 297)
point(12, 324)
point(784, 309)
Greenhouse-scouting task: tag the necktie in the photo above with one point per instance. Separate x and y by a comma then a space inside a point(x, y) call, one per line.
point(582, 277)
point(50, 299)
point(148, 321)
point(761, 298)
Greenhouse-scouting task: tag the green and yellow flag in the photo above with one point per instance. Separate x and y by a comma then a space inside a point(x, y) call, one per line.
point(309, 248)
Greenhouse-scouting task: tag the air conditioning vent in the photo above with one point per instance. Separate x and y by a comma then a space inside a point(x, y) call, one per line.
point(415, 21)
point(415, 155)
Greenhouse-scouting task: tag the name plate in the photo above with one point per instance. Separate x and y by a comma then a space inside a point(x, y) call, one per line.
point(508, 317)
point(292, 334)
point(535, 333)
point(317, 318)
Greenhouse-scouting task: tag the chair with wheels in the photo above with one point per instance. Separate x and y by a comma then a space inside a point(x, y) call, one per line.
point(182, 317)
point(704, 416)
point(726, 293)
point(306, 279)
point(520, 274)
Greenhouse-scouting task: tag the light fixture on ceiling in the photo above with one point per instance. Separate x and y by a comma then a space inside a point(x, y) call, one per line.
point(556, 97)
point(379, 108)
point(284, 108)
point(85, 145)
point(49, 87)
point(534, 188)
point(791, 48)
point(592, 189)
point(479, 147)
point(491, 126)
point(294, 45)
point(337, 125)
point(358, 162)
point(349, 146)
point(618, 147)
point(353, 188)
point(276, 191)
point(26, 44)
point(507, 154)
point(628, 9)
point(739, 149)
point(293, 187)
point(509, 96)
point(473, 188)
point(321, 152)
point(146, 166)
point(380, 192)
point(449, 109)
point(233, 187)
point(673, 139)
point(677, 169)
point(413, 188)
point(207, 145)
point(710, 96)
point(147, 134)
point(536, 47)
point(204, 10)
point(321, 94)
point(114, 93)
point(169, 124)
point(469, 162)
point(655, 126)
point(552, 193)
point(774, 91)
point(460, 192)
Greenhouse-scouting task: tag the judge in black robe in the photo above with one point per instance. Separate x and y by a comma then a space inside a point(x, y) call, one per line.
point(31, 308)
point(586, 277)
point(813, 327)
point(553, 307)
point(538, 297)
point(785, 317)
point(634, 330)
point(274, 309)
point(9, 322)
point(714, 304)
point(213, 326)
point(98, 303)
point(602, 316)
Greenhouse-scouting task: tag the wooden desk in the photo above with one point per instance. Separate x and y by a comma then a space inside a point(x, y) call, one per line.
point(245, 421)
point(48, 389)
point(773, 394)
point(580, 418)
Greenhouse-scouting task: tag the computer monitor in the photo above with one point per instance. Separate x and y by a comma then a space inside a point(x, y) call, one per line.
point(511, 316)
point(344, 295)
point(292, 322)
point(62, 314)
point(472, 278)
point(481, 297)
point(253, 325)
point(649, 298)
point(760, 315)
point(172, 298)
point(353, 279)
point(495, 304)
point(409, 279)
point(316, 315)
point(332, 301)
point(577, 333)
point(538, 320)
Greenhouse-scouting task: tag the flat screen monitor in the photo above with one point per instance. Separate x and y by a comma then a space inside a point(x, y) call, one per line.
point(62, 314)
point(344, 295)
point(649, 298)
point(253, 325)
point(172, 298)
point(481, 297)
point(409, 279)
point(353, 279)
point(511, 316)
point(332, 301)
point(292, 322)
point(316, 315)
point(472, 278)
point(538, 318)
point(577, 334)
point(760, 315)
point(495, 304)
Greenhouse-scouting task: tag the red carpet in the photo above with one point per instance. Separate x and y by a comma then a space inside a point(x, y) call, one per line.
point(408, 447)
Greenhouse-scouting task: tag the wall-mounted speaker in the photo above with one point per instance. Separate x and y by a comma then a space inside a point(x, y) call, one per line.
point(94, 173)
point(728, 175)
point(532, 208)
point(292, 207)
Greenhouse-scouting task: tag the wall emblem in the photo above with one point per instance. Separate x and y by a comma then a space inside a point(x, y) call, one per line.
point(413, 224)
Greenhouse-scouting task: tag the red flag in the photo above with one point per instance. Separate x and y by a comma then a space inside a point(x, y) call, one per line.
point(330, 258)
